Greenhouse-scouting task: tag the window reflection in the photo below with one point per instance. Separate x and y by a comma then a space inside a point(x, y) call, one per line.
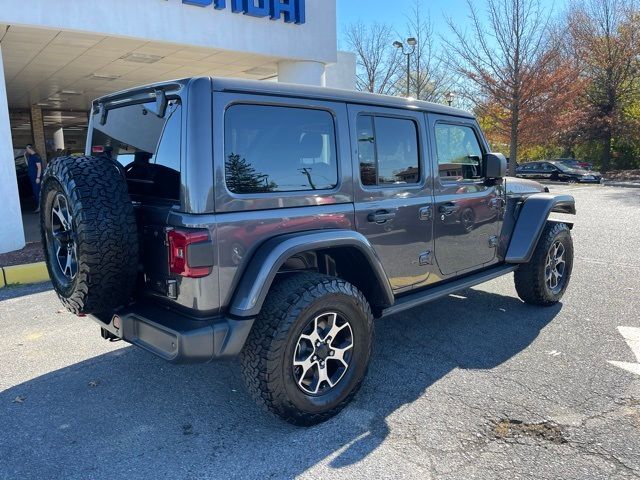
point(279, 149)
point(388, 151)
point(459, 152)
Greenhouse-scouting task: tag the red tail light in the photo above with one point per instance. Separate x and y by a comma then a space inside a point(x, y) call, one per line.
point(180, 242)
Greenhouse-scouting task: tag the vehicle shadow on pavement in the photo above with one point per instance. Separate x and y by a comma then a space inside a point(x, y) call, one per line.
point(129, 413)
point(629, 196)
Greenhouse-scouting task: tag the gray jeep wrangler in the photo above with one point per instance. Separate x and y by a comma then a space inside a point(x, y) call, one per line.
point(213, 218)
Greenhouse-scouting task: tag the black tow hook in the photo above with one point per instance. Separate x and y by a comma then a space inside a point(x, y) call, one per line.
point(107, 335)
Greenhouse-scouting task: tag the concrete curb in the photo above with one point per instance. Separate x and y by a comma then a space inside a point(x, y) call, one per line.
point(24, 274)
point(622, 184)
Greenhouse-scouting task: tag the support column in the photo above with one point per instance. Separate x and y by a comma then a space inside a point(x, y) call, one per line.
point(303, 72)
point(58, 140)
point(37, 129)
point(342, 74)
point(12, 234)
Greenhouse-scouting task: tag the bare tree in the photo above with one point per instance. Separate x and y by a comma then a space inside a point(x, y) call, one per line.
point(429, 79)
point(378, 62)
point(605, 38)
point(501, 57)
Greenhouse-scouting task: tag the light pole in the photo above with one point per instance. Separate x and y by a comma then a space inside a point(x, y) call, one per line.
point(450, 96)
point(412, 42)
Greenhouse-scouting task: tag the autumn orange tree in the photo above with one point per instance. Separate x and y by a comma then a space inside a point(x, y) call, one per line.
point(520, 80)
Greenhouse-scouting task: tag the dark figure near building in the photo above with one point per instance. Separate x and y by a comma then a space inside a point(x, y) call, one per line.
point(34, 165)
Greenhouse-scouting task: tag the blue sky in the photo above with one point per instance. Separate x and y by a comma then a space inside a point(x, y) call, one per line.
point(394, 12)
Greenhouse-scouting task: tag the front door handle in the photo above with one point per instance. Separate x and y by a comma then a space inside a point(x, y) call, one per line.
point(381, 216)
point(448, 208)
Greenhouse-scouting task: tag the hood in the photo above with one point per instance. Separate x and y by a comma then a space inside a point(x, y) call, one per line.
point(520, 186)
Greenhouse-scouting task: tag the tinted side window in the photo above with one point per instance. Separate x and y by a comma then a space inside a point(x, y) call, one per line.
point(388, 151)
point(168, 153)
point(279, 149)
point(367, 150)
point(459, 152)
point(166, 164)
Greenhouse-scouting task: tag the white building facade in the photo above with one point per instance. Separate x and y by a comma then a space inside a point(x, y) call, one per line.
point(56, 57)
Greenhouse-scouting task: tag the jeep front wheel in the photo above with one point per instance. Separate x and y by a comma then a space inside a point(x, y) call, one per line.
point(545, 278)
point(309, 348)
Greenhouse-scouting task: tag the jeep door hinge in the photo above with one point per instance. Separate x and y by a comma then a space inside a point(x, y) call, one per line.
point(493, 241)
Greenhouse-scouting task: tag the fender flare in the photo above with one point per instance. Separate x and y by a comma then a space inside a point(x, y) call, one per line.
point(532, 219)
point(271, 255)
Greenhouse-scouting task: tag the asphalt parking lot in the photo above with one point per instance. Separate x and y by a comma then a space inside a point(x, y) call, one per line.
point(477, 385)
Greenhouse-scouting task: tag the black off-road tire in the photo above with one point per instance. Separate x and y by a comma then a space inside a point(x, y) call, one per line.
point(267, 356)
point(530, 278)
point(104, 231)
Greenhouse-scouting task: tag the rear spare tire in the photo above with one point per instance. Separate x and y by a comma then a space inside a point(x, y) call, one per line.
point(89, 234)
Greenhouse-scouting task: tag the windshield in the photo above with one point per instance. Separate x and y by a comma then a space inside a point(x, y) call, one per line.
point(566, 168)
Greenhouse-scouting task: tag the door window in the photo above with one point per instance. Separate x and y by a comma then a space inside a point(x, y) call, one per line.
point(547, 167)
point(388, 151)
point(459, 152)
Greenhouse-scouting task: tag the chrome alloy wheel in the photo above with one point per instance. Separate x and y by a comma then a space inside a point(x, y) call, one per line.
point(555, 267)
point(323, 353)
point(63, 238)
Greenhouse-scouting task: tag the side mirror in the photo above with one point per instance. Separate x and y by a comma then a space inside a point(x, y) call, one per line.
point(495, 166)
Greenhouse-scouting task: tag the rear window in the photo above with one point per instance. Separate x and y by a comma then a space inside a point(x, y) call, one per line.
point(147, 146)
point(279, 149)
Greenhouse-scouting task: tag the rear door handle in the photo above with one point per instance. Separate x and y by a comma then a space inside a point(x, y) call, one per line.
point(381, 216)
point(448, 208)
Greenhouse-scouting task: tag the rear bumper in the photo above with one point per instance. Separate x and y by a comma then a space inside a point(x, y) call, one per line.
point(174, 337)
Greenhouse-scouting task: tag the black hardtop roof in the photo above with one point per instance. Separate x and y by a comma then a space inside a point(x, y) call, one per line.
point(299, 91)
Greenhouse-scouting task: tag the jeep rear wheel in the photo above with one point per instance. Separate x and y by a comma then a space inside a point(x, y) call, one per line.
point(545, 278)
point(309, 348)
point(89, 234)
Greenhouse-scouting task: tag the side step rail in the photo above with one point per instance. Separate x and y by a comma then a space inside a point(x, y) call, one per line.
point(434, 293)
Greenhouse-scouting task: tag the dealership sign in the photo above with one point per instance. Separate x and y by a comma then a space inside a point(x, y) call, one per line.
point(292, 11)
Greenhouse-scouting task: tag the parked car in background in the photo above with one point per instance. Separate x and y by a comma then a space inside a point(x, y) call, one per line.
point(573, 163)
point(557, 171)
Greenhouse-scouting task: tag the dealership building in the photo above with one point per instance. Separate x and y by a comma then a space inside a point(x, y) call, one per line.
point(57, 56)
